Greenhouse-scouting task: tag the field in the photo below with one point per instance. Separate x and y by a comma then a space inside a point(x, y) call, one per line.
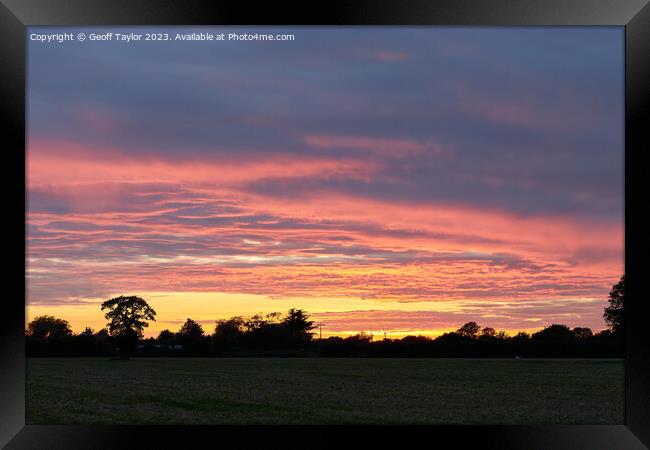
point(323, 391)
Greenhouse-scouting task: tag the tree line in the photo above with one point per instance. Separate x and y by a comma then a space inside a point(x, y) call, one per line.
point(291, 334)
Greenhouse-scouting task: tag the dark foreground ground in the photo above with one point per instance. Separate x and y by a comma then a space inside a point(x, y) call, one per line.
point(324, 391)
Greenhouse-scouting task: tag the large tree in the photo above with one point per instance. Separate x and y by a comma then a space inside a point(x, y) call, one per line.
point(488, 332)
point(128, 316)
point(165, 335)
point(192, 338)
point(470, 329)
point(48, 327)
point(191, 329)
point(556, 332)
point(614, 314)
point(298, 324)
point(583, 333)
point(229, 332)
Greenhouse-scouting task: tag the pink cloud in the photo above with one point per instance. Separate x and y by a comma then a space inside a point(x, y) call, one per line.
point(566, 111)
point(383, 146)
point(390, 56)
point(70, 163)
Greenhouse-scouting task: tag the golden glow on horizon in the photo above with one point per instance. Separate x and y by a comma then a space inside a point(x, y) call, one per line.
point(173, 308)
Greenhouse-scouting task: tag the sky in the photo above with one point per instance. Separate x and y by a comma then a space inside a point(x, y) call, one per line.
point(381, 178)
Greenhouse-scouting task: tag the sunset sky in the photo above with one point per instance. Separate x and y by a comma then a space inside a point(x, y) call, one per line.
point(406, 179)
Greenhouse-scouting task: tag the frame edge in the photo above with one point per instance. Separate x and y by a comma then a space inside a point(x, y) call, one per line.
point(637, 140)
point(12, 348)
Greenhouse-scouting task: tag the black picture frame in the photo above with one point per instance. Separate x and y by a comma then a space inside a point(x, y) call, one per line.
point(634, 15)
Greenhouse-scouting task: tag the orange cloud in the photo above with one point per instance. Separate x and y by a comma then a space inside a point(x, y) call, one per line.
point(153, 224)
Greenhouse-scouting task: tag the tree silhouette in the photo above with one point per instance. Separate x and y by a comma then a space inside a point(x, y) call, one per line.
point(501, 335)
point(521, 336)
point(614, 313)
point(102, 334)
point(470, 329)
point(165, 335)
point(582, 333)
point(488, 332)
point(191, 337)
point(276, 333)
point(364, 337)
point(128, 316)
point(259, 321)
point(191, 329)
point(299, 325)
point(555, 332)
point(48, 327)
point(229, 332)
